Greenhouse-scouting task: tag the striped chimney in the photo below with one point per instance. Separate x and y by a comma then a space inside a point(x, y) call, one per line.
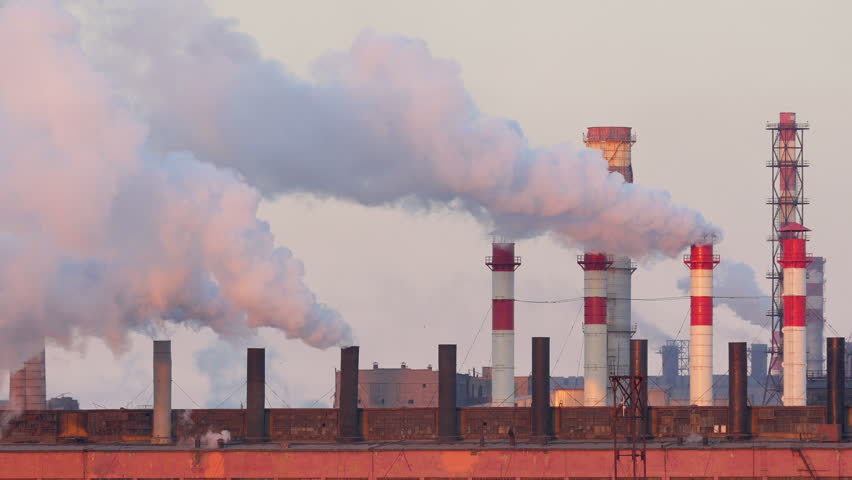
point(794, 261)
point(595, 373)
point(701, 262)
point(503, 264)
point(616, 145)
point(815, 314)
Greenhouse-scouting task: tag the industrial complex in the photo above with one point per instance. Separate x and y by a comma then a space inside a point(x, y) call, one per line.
point(779, 412)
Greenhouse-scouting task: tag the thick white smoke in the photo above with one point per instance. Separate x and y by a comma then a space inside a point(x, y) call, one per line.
point(735, 286)
point(384, 123)
point(98, 234)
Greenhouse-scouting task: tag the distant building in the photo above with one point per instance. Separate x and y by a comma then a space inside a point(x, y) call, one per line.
point(63, 403)
point(405, 387)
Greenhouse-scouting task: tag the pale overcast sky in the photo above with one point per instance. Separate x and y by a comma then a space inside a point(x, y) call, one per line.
point(697, 81)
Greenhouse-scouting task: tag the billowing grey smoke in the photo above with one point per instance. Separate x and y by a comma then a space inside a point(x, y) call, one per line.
point(384, 123)
point(735, 286)
point(99, 235)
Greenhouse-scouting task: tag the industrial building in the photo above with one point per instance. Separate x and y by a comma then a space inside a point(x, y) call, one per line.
point(406, 387)
point(786, 419)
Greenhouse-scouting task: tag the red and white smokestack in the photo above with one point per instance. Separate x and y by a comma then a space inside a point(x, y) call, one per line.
point(788, 160)
point(616, 145)
point(595, 373)
point(701, 262)
point(815, 314)
point(503, 264)
point(794, 261)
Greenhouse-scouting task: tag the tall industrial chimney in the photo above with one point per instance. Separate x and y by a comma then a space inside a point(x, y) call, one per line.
point(701, 262)
point(615, 144)
point(836, 376)
point(28, 386)
point(541, 414)
point(349, 429)
point(448, 425)
point(759, 357)
point(255, 394)
point(503, 264)
point(162, 433)
point(815, 315)
point(595, 376)
point(794, 260)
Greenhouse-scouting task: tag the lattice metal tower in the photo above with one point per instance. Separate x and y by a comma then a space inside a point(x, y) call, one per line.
point(787, 203)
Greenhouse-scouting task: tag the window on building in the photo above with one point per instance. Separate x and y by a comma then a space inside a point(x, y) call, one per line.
point(411, 402)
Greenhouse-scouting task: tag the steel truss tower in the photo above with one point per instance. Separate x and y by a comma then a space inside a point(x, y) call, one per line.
point(787, 203)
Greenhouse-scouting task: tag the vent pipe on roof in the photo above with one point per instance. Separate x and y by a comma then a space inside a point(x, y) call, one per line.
point(348, 403)
point(541, 412)
point(738, 411)
point(255, 398)
point(162, 428)
point(448, 427)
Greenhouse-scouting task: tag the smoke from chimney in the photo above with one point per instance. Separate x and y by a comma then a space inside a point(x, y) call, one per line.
point(737, 279)
point(384, 123)
point(101, 235)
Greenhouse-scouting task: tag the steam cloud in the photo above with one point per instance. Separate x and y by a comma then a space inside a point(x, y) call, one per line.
point(384, 123)
point(100, 234)
point(737, 279)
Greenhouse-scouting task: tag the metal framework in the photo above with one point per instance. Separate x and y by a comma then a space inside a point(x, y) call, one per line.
point(787, 203)
point(629, 408)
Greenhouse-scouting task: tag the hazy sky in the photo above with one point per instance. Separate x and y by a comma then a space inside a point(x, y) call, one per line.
point(696, 81)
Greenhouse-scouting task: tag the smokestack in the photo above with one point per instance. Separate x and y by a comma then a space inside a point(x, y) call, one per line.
point(759, 356)
point(162, 432)
point(788, 161)
point(28, 386)
point(701, 262)
point(737, 390)
point(448, 427)
point(836, 376)
point(255, 399)
point(616, 144)
point(348, 403)
point(639, 368)
point(815, 316)
point(670, 354)
point(503, 264)
point(541, 421)
point(595, 376)
point(794, 261)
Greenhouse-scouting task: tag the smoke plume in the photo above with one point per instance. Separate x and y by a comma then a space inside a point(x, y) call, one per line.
point(101, 234)
point(735, 286)
point(384, 123)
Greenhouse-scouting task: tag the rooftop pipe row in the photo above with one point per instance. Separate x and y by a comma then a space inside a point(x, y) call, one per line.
point(448, 426)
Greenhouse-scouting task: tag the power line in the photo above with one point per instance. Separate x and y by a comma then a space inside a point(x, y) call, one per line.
point(231, 394)
point(187, 395)
point(470, 347)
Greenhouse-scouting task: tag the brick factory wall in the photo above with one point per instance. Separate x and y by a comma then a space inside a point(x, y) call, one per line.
point(29, 427)
point(583, 422)
point(682, 421)
point(495, 422)
point(402, 423)
point(321, 425)
point(119, 425)
point(188, 424)
point(787, 422)
point(302, 424)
